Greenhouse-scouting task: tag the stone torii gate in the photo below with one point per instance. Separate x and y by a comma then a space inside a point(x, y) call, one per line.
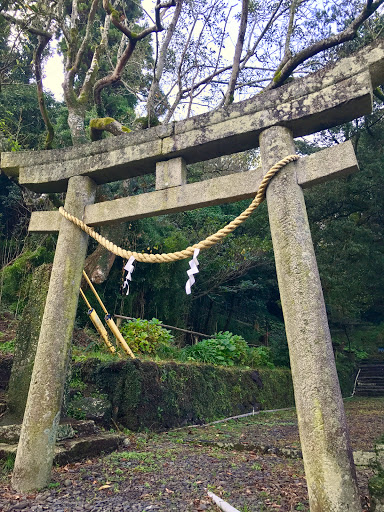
point(271, 120)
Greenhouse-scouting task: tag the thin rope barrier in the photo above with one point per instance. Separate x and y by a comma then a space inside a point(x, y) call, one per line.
point(203, 244)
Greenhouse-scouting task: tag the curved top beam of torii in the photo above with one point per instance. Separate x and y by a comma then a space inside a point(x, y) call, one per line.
point(331, 96)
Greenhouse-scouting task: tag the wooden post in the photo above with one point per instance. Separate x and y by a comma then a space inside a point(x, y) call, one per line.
point(327, 455)
point(42, 414)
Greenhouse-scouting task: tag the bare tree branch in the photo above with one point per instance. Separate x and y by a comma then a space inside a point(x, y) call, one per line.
point(195, 66)
point(159, 66)
point(133, 39)
point(74, 68)
point(268, 25)
point(228, 98)
point(90, 77)
point(287, 51)
point(26, 25)
point(286, 69)
point(37, 58)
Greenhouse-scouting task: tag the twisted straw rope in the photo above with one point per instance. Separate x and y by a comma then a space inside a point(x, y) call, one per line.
point(204, 244)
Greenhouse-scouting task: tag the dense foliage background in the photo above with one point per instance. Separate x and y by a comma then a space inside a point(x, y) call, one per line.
point(236, 289)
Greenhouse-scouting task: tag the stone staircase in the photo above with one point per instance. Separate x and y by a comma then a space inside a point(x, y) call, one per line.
point(370, 379)
point(76, 440)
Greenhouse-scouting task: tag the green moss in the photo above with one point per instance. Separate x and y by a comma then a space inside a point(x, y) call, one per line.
point(101, 123)
point(17, 277)
point(277, 75)
point(97, 126)
point(113, 12)
point(27, 337)
point(165, 395)
point(376, 486)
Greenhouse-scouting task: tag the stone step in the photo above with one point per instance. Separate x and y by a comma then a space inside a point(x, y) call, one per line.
point(369, 392)
point(372, 371)
point(72, 450)
point(370, 383)
point(370, 387)
point(371, 379)
point(67, 430)
point(370, 368)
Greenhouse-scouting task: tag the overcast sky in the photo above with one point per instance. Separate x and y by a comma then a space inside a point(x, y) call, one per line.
point(53, 69)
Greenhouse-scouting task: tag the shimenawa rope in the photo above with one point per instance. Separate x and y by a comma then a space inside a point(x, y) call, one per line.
point(204, 244)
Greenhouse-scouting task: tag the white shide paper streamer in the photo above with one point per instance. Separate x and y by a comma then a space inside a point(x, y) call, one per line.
point(193, 270)
point(129, 268)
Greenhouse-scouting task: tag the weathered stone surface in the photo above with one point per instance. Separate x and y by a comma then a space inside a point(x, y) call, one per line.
point(321, 109)
point(27, 337)
point(330, 163)
point(92, 408)
point(45, 222)
point(33, 158)
point(65, 431)
point(362, 458)
point(76, 449)
point(171, 173)
point(7, 449)
point(370, 58)
point(11, 433)
point(288, 452)
point(146, 395)
point(327, 454)
point(336, 161)
point(306, 105)
point(38, 434)
point(86, 447)
point(331, 106)
point(379, 450)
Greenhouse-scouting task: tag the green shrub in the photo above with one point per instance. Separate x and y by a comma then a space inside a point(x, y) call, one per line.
point(7, 464)
point(260, 357)
point(228, 349)
point(146, 336)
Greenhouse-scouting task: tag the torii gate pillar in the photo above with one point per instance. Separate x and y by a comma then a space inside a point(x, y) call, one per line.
point(327, 455)
point(34, 457)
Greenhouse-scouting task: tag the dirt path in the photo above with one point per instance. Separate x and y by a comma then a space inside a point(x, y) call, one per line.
point(172, 471)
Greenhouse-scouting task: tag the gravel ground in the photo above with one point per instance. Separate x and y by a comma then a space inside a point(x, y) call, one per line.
point(173, 471)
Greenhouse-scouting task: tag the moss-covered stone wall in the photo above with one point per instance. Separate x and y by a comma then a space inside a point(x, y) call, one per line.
point(159, 396)
point(27, 337)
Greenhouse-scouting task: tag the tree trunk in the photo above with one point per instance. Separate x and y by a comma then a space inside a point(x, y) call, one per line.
point(76, 123)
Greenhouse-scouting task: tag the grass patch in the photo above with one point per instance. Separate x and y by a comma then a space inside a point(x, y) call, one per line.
point(8, 347)
point(7, 464)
